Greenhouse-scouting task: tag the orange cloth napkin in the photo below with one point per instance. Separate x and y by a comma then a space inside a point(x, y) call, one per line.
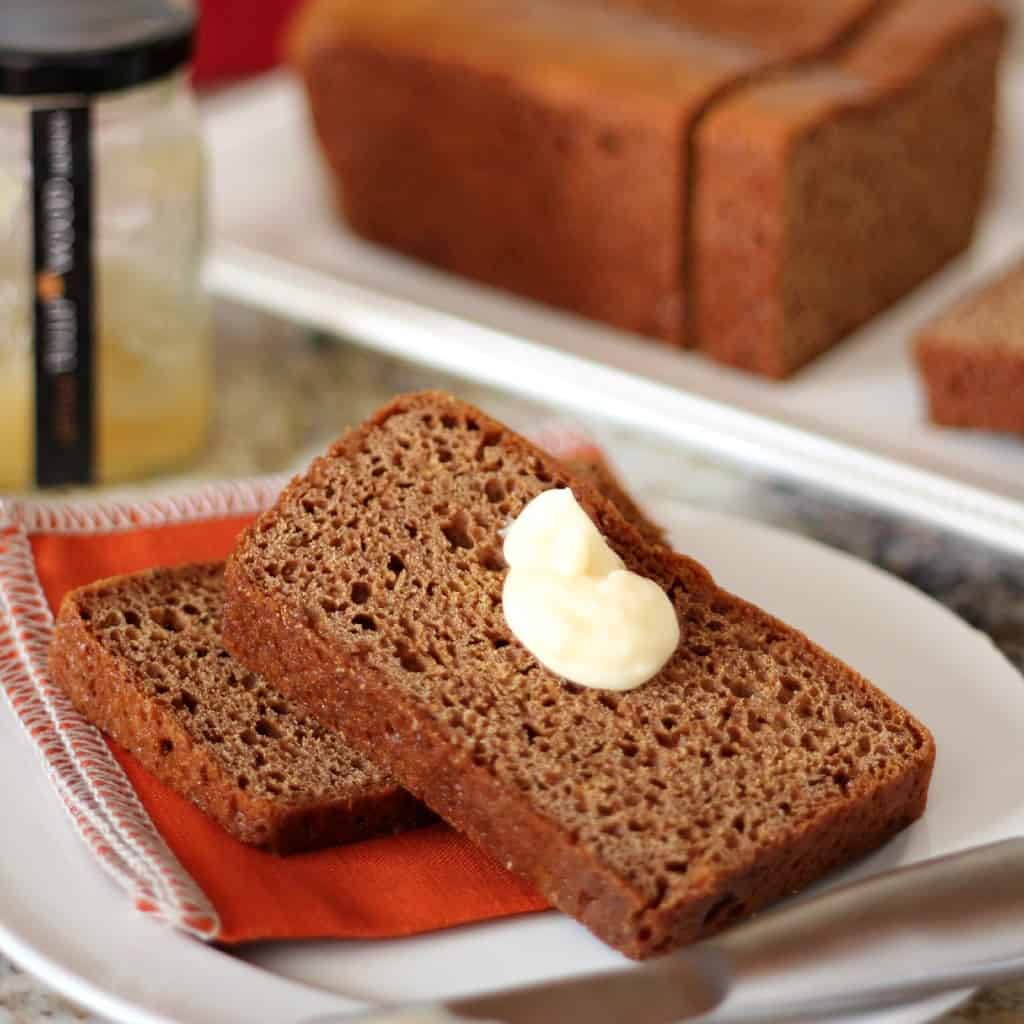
point(399, 885)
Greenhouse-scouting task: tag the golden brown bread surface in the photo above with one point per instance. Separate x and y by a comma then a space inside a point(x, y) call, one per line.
point(751, 764)
point(971, 358)
point(539, 146)
point(823, 195)
point(140, 656)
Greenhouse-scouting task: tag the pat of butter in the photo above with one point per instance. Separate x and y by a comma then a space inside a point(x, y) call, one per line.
point(574, 606)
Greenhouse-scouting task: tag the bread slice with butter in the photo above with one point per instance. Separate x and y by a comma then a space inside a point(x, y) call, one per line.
point(750, 765)
point(140, 656)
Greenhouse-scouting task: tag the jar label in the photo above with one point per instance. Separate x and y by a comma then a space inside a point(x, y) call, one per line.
point(63, 289)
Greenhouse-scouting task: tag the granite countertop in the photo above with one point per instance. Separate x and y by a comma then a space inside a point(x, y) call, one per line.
point(308, 388)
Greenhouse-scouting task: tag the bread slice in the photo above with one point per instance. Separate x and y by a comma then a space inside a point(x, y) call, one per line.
point(541, 147)
point(141, 657)
point(971, 358)
point(753, 763)
point(824, 194)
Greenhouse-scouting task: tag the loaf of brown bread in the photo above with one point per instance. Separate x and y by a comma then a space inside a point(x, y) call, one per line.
point(141, 657)
point(971, 358)
point(824, 194)
point(751, 764)
point(539, 146)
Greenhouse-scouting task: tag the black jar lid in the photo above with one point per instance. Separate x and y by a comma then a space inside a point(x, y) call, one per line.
point(84, 47)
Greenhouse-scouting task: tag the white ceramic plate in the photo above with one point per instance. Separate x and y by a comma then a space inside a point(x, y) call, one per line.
point(852, 421)
point(62, 919)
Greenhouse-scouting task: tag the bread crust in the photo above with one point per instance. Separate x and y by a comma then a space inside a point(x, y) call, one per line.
point(109, 692)
point(285, 641)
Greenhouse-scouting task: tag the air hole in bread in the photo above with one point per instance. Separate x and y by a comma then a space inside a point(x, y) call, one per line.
point(741, 688)
point(492, 559)
point(264, 727)
point(410, 660)
point(841, 716)
point(456, 531)
point(166, 746)
point(668, 740)
point(169, 618)
point(185, 700)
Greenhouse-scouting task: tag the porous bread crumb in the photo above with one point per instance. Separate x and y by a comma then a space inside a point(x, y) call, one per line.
point(751, 764)
point(141, 657)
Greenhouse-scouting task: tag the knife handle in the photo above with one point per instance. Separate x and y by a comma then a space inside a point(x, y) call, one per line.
point(952, 922)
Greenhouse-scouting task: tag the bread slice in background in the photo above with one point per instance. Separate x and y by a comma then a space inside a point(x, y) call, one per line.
point(752, 764)
point(141, 658)
point(824, 194)
point(971, 358)
point(541, 147)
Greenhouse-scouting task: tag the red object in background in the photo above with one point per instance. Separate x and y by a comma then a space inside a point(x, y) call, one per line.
point(239, 37)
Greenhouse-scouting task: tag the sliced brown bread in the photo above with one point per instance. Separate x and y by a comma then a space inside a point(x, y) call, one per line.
point(971, 358)
point(753, 762)
point(141, 658)
point(824, 194)
point(539, 146)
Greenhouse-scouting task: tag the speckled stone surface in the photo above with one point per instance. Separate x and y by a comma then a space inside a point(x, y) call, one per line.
point(283, 394)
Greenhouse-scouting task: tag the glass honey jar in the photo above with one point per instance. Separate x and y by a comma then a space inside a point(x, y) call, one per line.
point(104, 340)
